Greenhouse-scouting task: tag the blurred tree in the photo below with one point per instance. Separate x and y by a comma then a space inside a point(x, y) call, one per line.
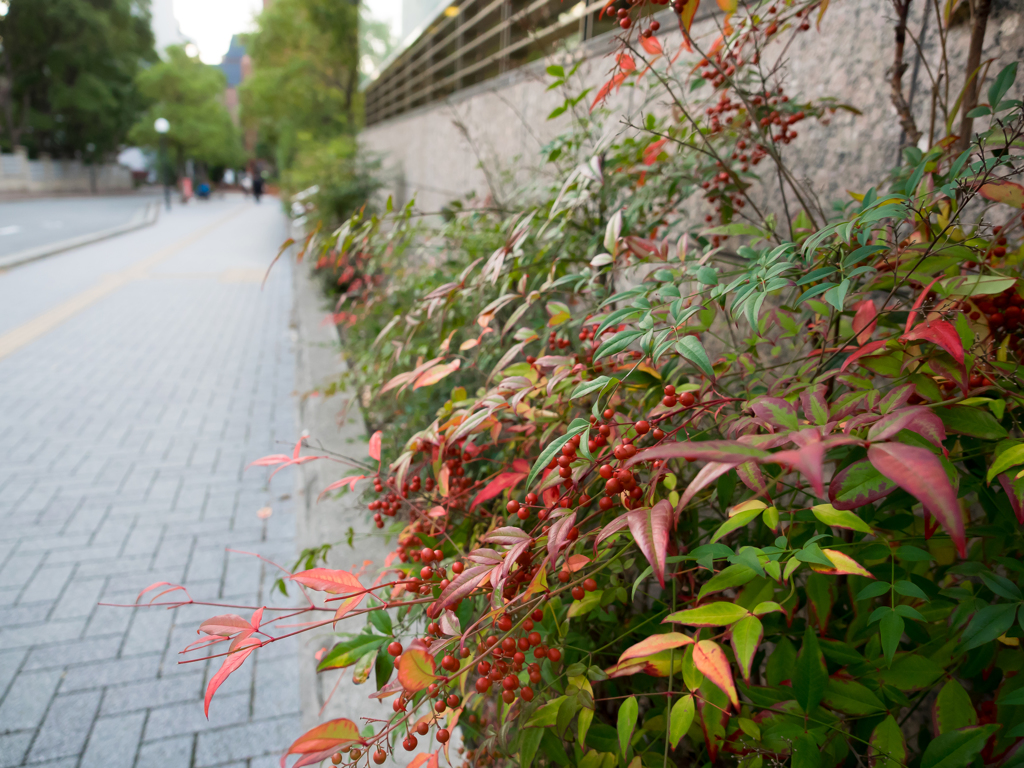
point(303, 97)
point(67, 73)
point(189, 94)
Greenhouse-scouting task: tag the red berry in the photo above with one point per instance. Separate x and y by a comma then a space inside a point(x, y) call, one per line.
point(457, 568)
point(642, 427)
point(534, 638)
point(483, 685)
point(538, 615)
point(512, 507)
point(508, 696)
point(510, 683)
point(426, 554)
point(687, 399)
point(608, 414)
point(443, 735)
point(453, 701)
point(590, 585)
point(527, 694)
point(554, 654)
point(504, 623)
point(380, 756)
point(395, 649)
point(577, 593)
point(422, 729)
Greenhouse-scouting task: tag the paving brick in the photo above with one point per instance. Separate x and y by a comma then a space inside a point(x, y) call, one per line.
point(105, 673)
point(150, 694)
point(114, 742)
point(66, 727)
point(245, 741)
point(47, 584)
point(148, 633)
point(27, 700)
point(188, 717)
point(277, 686)
point(80, 597)
point(167, 753)
point(13, 747)
point(78, 652)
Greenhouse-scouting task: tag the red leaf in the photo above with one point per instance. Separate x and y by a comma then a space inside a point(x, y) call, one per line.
point(707, 475)
point(725, 451)
point(686, 19)
point(227, 625)
point(462, 585)
point(559, 534)
point(650, 529)
point(435, 374)
point(606, 89)
point(151, 587)
point(325, 740)
point(652, 151)
point(1015, 491)
point(374, 447)
point(625, 62)
point(918, 419)
point(920, 473)
point(865, 320)
point(416, 669)
point(611, 529)
point(710, 659)
point(239, 652)
point(327, 580)
point(857, 485)
point(939, 332)
point(867, 349)
point(350, 481)
point(494, 488)
point(654, 644)
point(652, 45)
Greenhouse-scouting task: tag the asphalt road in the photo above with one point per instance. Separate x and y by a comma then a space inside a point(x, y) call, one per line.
point(26, 224)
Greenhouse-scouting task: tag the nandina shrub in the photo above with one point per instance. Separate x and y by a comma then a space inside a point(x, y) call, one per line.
point(614, 547)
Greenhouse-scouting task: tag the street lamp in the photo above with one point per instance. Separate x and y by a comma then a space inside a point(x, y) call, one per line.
point(162, 126)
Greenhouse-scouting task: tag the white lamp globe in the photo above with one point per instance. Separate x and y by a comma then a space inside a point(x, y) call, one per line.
point(161, 125)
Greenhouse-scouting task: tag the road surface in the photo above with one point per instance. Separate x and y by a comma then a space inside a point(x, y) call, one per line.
point(28, 224)
point(139, 376)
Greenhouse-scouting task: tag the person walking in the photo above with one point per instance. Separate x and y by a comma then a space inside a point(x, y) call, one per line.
point(257, 185)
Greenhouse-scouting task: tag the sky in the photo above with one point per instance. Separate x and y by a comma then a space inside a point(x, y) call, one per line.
point(211, 23)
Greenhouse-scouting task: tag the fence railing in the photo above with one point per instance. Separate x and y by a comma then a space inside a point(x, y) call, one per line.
point(478, 40)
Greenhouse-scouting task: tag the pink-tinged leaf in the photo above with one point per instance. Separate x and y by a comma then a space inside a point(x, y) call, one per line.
point(350, 481)
point(724, 451)
point(711, 661)
point(654, 644)
point(611, 529)
point(404, 378)
point(323, 740)
point(809, 458)
point(751, 476)
point(938, 332)
point(227, 625)
point(151, 587)
point(920, 473)
point(507, 535)
point(327, 580)
point(606, 89)
point(461, 586)
point(857, 485)
point(912, 314)
point(373, 449)
point(815, 405)
point(652, 45)
point(271, 461)
point(870, 348)
point(1003, 191)
point(650, 529)
point(896, 398)
point(419, 760)
point(435, 374)
point(1015, 492)
point(626, 62)
point(916, 418)
point(775, 410)
point(416, 669)
point(576, 562)
point(499, 484)
point(257, 619)
point(707, 475)
point(842, 565)
point(864, 321)
point(558, 535)
point(239, 652)
point(513, 555)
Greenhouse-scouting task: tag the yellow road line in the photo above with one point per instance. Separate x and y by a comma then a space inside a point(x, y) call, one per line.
point(46, 322)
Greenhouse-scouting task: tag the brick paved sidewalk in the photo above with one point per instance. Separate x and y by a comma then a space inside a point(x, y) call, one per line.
point(124, 432)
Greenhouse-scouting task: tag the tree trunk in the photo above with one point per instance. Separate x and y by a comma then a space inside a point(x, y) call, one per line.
point(898, 68)
point(979, 21)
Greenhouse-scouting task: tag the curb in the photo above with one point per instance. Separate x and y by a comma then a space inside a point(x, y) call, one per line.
point(149, 216)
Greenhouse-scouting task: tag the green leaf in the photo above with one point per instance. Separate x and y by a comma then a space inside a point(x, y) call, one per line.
point(810, 677)
point(586, 387)
point(972, 422)
point(1011, 457)
point(957, 749)
point(837, 296)
point(806, 752)
point(989, 623)
point(626, 724)
point(547, 715)
point(578, 426)
point(529, 741)
point(840, 518)
point(909, 589)
point(681, 719)
point(348, 652)
point(691, 349)
point(1001, 586)
point(739, 520)
point(381, 620)
point(953, 708)
point(384, 667)
point(617, 343)
point(851, 698)
point(911, 672)
point(891, 630)
point(887, 747)
point(1002, 84)
point(720, 614)
point(872, 590)
point(811, 553)
point(746, 637)
point(733, 576)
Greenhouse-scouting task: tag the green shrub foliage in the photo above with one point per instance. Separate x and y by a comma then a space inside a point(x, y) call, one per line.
point(669, 490)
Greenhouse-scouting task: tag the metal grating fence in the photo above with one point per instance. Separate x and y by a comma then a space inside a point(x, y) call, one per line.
point(478, 40)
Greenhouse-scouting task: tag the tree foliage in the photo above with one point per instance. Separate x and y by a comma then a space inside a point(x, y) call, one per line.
point(189, 94)
point(69, 69)
point(681, 473)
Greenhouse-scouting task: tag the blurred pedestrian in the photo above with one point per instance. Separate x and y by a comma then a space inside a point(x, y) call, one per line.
point(257, 185)
point(246, 184)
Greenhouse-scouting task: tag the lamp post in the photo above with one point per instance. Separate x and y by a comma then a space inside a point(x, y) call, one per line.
point(162, 126)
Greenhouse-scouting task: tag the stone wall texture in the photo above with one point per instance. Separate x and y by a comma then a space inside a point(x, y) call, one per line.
point(487, 139)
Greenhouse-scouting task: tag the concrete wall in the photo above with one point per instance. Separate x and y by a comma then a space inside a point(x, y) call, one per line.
point(436, 152)
point(19, 174)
